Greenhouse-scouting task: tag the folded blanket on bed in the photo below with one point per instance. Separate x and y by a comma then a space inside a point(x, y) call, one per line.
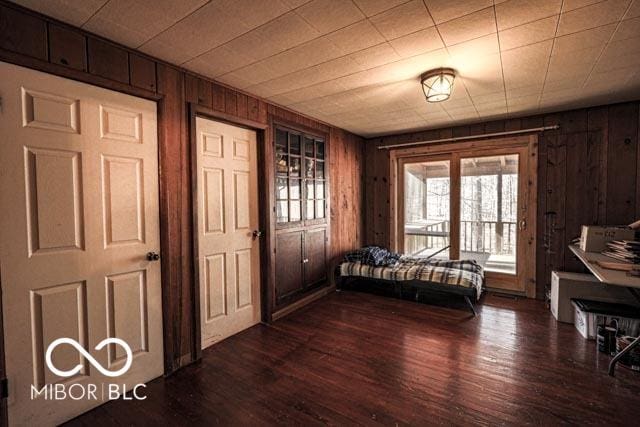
point(463, 273)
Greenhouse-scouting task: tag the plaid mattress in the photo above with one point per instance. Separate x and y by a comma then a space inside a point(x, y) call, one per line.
point(463, 273)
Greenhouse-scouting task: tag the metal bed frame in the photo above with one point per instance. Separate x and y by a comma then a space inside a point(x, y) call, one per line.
point(418, 286)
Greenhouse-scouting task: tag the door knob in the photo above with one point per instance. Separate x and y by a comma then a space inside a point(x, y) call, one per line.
point(153, 256)
point(257, 234)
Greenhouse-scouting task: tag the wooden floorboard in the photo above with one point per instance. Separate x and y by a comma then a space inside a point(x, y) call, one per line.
point(356, 358)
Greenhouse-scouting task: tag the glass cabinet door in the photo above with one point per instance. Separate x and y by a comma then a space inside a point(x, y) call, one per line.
point(300, 177)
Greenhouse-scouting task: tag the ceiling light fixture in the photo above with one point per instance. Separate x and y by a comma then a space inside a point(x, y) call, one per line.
point(437, 84)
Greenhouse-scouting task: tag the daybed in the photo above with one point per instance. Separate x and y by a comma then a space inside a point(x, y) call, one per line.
point(462, 277)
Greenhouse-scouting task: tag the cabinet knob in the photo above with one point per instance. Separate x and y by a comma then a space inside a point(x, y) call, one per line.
point(153, 256)
point(306, 260)
point(257, 234)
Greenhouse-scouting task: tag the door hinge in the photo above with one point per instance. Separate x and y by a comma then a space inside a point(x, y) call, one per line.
point(4, 388)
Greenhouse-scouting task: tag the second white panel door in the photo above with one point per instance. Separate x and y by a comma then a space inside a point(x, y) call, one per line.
point(228, 249)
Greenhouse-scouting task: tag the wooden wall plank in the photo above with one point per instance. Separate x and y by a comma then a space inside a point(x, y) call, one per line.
point(143, 72)
point(108, 60)
point(23, 33)
point(622, 163)
point(171, 85)
point(217, 95)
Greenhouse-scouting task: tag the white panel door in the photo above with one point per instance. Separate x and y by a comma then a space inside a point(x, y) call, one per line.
point(228, 251)
point(79, 197)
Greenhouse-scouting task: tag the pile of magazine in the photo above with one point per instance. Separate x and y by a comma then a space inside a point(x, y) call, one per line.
point(624, 250)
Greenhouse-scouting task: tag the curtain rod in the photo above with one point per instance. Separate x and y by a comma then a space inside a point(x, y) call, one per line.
point(464, 138)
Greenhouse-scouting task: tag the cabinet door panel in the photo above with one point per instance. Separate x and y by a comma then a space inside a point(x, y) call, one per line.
point(315, 253)
point(67, 47)
point(288, 263)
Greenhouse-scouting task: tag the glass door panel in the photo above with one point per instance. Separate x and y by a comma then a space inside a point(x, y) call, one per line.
point(427, 191)
point(489, 211)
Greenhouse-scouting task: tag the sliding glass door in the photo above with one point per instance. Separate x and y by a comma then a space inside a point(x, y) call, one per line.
point(427, 193)
point(489, 210)
point(469, 204)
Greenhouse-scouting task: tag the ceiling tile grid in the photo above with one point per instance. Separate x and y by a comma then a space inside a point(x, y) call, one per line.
point(356, 63)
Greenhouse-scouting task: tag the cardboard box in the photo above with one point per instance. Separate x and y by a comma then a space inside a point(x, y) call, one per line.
point(594, 238)
point(565, 285)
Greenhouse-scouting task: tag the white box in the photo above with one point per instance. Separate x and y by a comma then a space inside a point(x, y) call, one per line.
point(565, 285)
point(594, 238)
point(581, 321)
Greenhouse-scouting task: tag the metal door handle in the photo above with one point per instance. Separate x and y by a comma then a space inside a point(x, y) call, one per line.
point(257, 234)
point(306, 260)
point(522, 225)
point(153, 256)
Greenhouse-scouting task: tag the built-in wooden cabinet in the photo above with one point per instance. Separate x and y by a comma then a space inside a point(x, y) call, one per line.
point(301, 191)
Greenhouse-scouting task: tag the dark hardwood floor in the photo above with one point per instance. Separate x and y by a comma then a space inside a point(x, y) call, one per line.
point(356, 358)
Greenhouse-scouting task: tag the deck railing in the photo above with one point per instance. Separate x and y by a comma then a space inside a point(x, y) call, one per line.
point(489, 237)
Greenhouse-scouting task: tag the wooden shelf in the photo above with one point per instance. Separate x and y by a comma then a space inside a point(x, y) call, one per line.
point(611, 277)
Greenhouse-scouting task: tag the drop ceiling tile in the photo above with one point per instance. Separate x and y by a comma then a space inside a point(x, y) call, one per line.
point(526, 66)
point(592, 16)
point(374, 7)
point(72, 12)
point(282, 33)
point(402, 20)
point(355, 37)
point(489, 98)
point(235, 81)
point(517, 12)
point(416, 43)
point(568, 70)
point(295, 3)
point(634, 10)
point(330, 15)
point(133, 23)
point(446, 10)
point(207, 28)
point(627, 29)
point(577, 4)
point(218, 61)
point(375, 56)
point(254, 73)
point(624, 47)
point(576, 81)
point(300, 57)
point(593, 38)
point(468, 27)
point(533, 32)
point(577, 58)
point(524, 100)
point(463, 54)
point(618, 57)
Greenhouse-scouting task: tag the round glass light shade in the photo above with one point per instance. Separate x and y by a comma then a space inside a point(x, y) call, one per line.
point(438, 84)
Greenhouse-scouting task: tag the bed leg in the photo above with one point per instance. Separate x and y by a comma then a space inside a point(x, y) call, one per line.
point(470, 304)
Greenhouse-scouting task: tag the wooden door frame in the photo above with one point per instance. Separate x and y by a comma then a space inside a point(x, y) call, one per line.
point(455, 150)
point(264, 215)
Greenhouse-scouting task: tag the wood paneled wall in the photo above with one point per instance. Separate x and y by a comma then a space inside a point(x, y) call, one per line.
point(35, 41)
point(588, 173)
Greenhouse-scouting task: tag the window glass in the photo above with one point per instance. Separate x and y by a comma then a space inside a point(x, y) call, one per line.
point(294, 143)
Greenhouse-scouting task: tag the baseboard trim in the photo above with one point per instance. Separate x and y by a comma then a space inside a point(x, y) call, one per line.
point(302, 302)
